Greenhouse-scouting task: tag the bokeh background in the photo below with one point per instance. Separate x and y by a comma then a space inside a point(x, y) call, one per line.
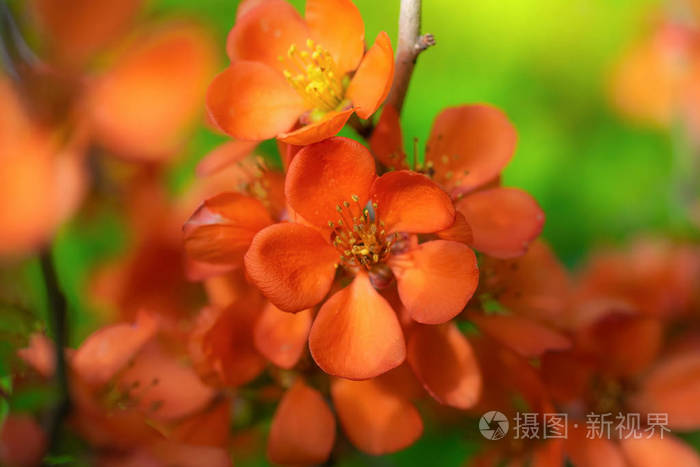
point(600, 177)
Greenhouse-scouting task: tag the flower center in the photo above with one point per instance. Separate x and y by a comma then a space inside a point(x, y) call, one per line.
point(312, 73)
point(359, 236)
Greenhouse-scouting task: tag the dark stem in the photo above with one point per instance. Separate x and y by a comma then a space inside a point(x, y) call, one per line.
point(362, 128)
point(57, 320)
point(410, 45)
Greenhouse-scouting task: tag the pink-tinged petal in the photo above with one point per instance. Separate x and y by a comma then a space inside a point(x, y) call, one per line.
point(411, 202)
point(39, 354)
point(292, 265)
point(225, 155)
point(252, 101)
point(525, 336)
point(386, 141)
point(339, 168)
point(672, 387)
point(356, 333)
point(108, 350)
point(265, 32)
point(303, 428)
point(376, 420)
point(436, 280)
point(372, 81)
point(444, 362)
point(162, 386)
point(281, 336)
point(331, 123)
point(657, 451)
point(337, 25)
point(503, 220)
point(469, 146)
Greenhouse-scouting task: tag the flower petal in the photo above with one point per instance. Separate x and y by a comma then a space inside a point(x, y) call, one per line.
point(221, 344)
point(22, 441)
point(386, 141)
point(77, 29)
point(225, 155)
point(443, 360)
point(281, 336)
point(339, 168)
point(252, 101)
point(221, 230)
point(460, 231)
point(525, 336)
point(162, 386)
point(469, 146)
point(39, 354)
point(265, 32)
point(411, 202)
point(210, 427)
point(108, 350)
point(303, 428)
point(503, 220)
point(656, 451)
point(329, 125)
point(586, 451)
point(376, 420)
point(673, 387)
point(372, 81)
point(137, 109)
point(292, 265)
point(436, 280)
point(337, 25)
point(356, 334)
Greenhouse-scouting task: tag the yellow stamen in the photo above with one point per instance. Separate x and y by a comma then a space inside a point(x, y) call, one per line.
point(312, 73)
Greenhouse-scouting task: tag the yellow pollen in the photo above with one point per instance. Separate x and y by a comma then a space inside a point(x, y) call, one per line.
point(312, 73)
point(358, 235)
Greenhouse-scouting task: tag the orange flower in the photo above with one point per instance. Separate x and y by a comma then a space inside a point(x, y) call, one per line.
point(350, 218)
point(468, 148)
point(298, 80)
point(618, 367)
point(532, 294)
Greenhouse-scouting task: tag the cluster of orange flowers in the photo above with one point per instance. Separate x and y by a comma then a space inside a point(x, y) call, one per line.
point(342, 288)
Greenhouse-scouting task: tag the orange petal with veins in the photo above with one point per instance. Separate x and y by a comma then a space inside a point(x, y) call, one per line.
point(356, 333)
point(292, 265)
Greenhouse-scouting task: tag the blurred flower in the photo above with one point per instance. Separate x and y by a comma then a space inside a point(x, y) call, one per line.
point(42, 176)
point(298, 80)
point(523, 302)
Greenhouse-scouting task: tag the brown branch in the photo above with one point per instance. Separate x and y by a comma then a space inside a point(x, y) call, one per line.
point(410, 45)
point(57, 317)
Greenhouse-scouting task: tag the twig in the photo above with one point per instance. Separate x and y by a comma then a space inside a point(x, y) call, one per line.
point(410, 45)
point(57, 317)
